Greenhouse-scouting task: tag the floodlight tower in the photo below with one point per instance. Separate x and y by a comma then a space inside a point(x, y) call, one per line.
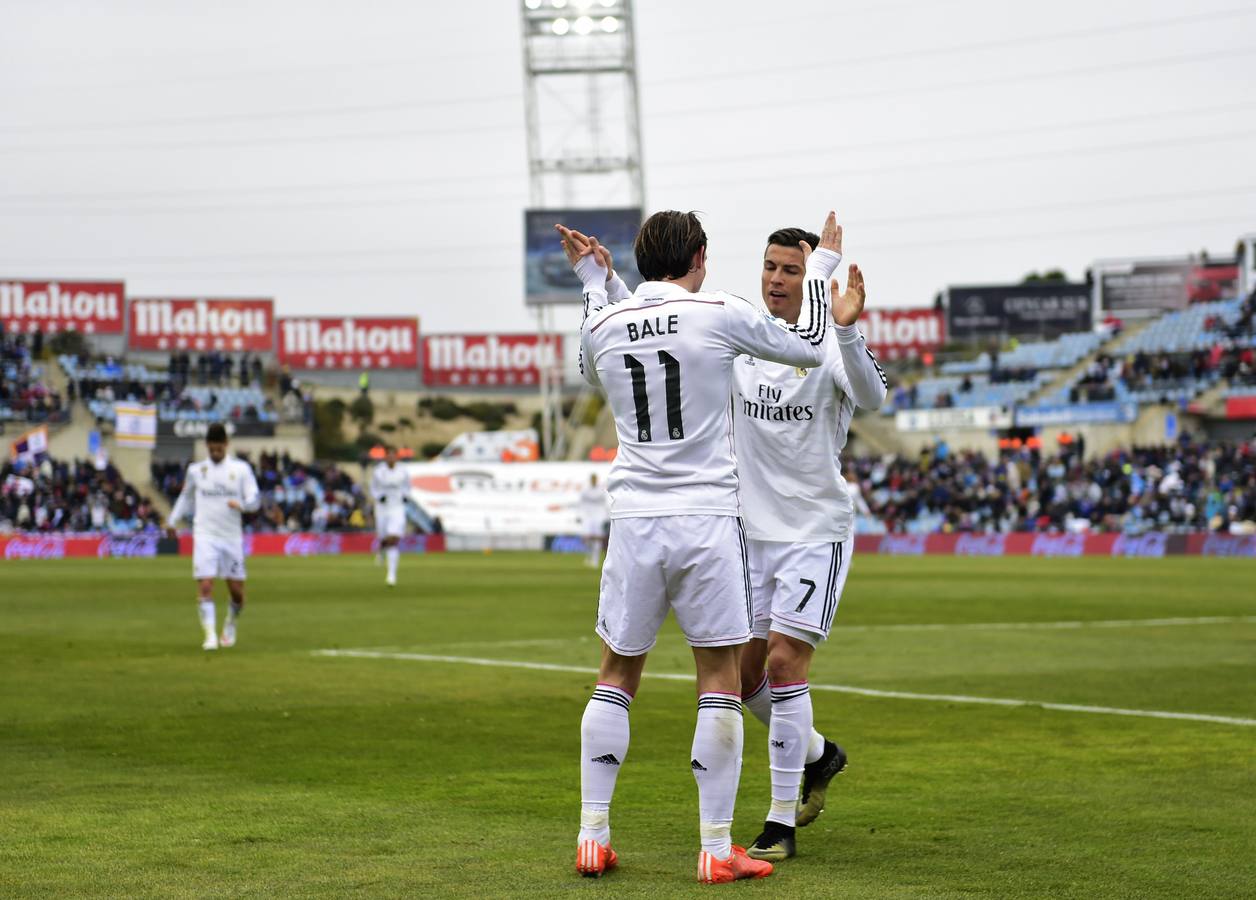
point(584, 134)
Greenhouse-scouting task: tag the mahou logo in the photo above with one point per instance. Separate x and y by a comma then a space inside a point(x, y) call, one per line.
point(349, 343)
point(90, 307)
point(488, 359)
point(166, 324)
point(894, 333)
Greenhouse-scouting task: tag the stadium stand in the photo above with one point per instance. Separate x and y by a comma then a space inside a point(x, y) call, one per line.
point(23, 395)
point(1065, 351)
point(1181, 487)
point(295, 496)
point(54, 496)
point(968, 390)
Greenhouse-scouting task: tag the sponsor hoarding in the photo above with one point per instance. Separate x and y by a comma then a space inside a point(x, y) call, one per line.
point(1075, 414)
point(196, 431)
point(200, 324)
point(496, 360)
point(92, 307)
point(348, 343)
point(547, 273)
point(136, 425)
point(504, 498)
point(1157, 285)
point(902, 333)
point(953, 417)
point(1025, 310)
point(1152, 544)
point(103, 546)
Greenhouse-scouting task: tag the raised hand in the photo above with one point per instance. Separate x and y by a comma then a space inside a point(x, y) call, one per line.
point(575, 244)
point(831, 235)
point(848, 305)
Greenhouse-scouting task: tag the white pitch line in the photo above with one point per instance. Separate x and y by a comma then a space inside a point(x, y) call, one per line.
point(1057, 626)
point(836, 688)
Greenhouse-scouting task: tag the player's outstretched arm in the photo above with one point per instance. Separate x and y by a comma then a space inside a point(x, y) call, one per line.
point(582, 253)
point(864, 379)
point(250, 496)
point(184, 506)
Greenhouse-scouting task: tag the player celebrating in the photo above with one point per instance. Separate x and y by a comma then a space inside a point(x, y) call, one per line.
point(664, 357)
point(593, 518)
point(216, 492)
point(390, 486)
point(799, 522)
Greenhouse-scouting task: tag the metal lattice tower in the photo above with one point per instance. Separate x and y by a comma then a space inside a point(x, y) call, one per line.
point(584, 134)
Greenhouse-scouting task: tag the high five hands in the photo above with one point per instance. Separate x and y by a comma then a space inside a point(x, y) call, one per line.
point(577, 245)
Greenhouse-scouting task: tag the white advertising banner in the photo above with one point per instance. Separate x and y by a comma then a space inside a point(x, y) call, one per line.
point(504, 498)
point(136, 425)
point(953, 417)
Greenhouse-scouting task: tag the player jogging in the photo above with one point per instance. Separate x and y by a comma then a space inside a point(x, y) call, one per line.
point(390, 488)
point(593, 520)
point(216, 493)
point(799, 522)
point(664, 357)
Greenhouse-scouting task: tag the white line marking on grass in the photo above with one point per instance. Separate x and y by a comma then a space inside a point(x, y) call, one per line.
point(1057, 626)
point(836, 688)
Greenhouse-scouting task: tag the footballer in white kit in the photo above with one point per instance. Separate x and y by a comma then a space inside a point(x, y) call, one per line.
point(800, 524)
point(216, 493)
point(390, 489)
point(665, 357)
point(593, 515)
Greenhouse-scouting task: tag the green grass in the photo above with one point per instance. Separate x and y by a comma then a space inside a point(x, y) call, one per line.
point(133, 764)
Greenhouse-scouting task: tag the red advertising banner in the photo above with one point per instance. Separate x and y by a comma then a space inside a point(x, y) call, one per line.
point(902, 333)
point(1241, 407)
point(1153, 544)
point(349, 343)
point(92, 307)
point(330, 543)
point(462, 360)
point(200, 324)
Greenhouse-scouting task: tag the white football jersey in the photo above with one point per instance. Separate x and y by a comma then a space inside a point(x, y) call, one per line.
point(664, 357)
point(207, 488)
point(593, 505)
point(790, 427)
point(390, 487)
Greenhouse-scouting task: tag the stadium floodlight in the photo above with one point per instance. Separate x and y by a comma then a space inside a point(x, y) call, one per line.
point(584, 25)
point(532, 4)
point(610, 24)
point(607, 3)
point(559, 4)
point(583, 4)
point(560, 26)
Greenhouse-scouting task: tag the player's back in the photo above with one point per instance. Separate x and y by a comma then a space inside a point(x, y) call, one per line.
point(664, 358)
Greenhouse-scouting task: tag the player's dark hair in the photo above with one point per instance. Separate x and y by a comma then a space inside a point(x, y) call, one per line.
point(666, 244)
point(216, 434)
point(789, 237)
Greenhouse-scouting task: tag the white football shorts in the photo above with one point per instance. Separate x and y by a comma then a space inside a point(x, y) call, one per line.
point(595, 528)
point(218, 559)
point(390, 522)
point(694, 565)
point(796, 587)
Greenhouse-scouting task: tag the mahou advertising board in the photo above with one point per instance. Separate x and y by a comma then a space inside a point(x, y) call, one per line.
point(92, 307)
point(350, 343)
point(902, 333)
point(493, 360)
point(201, 324)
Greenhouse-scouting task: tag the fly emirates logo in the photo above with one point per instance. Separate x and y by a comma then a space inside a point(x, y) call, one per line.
point(767, 406)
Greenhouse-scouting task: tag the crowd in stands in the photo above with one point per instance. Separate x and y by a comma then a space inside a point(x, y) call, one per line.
point(50, 495)
point(294, 496)
point(1187, 486)
point(23, 396)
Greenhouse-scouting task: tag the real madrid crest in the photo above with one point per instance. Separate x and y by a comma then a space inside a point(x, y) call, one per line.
point(802, 373)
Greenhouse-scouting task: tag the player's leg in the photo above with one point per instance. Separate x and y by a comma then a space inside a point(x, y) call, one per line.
point(392, 554)
point(205, 570)
point(710, 590)
point(631, 607)
point(235, 587)
point(754, 656)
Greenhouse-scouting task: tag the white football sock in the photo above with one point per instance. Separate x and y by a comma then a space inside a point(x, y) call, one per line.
point(788, 737)
point(209, 617)
point(603, 746)
point(759, 701)
point(716, 764)
point(233, 612)
point(815, 749)
point(392, 554)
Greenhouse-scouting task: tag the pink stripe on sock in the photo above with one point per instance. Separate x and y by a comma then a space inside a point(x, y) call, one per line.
point(616, 687)
point(788, 684)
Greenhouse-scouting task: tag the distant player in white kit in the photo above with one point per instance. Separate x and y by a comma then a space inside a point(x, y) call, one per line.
point(216, 493)
point(665, 357)
point(800, 525)
point(593, 520)
point(390, 488)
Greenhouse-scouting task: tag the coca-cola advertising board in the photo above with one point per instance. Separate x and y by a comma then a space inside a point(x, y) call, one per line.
point(163, 323)
point(902, 333)
point(493, 360)
point(349, 343)
point(92, 307)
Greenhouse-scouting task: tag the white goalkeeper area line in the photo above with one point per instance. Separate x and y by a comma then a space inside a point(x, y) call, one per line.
point(836, 688)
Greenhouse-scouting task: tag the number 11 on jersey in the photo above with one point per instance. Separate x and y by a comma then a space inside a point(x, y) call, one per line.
point(671, 385)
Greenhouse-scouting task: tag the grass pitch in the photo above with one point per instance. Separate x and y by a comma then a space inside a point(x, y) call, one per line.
point(134, 764)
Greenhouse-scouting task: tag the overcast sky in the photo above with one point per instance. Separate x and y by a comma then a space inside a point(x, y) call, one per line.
point(370, 158)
